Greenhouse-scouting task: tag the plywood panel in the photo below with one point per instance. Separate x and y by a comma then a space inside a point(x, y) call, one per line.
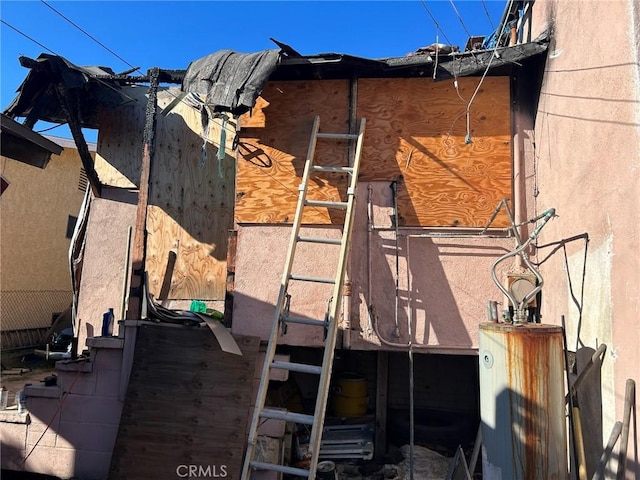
point(416, 132)
point(273, 147)
point(187, 403)
point(191, 205)
point(191, 197)
point(119, 149)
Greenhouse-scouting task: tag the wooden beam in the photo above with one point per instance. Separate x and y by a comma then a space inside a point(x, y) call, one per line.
point(69, 106)
point(382, 382)
point(139, 234)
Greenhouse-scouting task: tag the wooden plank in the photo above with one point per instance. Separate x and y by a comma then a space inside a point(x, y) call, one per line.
point(136, 282)
point(273, 148)
point(416, 133)
point(191, 411)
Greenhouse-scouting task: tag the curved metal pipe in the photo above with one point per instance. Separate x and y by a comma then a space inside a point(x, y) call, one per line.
point(519, 307)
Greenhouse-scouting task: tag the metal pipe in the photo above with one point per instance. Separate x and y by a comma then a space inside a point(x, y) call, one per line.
point(411, 376)
point(394, 191)
point(519, 307)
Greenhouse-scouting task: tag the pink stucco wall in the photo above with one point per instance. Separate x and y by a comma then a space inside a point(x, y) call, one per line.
point(583, 158)
point(448, 281)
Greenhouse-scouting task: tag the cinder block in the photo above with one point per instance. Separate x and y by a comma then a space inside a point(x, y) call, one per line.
point(96, 437)
point(78, 383)
point(41, 437)
point(107, 359)
point(108, 383)
point(272, 427)
point(41, 391)
point(91, 409)
point(12, 445)
point(59, 462)
point(43, 412)
point(13, 435)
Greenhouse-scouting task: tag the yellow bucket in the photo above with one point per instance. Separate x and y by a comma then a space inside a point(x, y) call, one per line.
point(350, 395)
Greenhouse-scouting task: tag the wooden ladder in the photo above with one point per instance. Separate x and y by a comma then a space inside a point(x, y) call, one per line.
point(329, 323)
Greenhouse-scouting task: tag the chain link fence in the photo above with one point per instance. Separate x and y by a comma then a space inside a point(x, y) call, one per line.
point(28, 309)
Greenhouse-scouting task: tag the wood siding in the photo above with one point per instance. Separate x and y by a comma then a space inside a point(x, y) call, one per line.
point(416, 131)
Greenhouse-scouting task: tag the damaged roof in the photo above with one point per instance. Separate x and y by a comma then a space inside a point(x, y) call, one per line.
point(232, 82)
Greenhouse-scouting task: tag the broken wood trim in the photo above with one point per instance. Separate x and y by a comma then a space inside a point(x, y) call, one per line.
point(232, 246)
point(69, 106)
point(139, 234)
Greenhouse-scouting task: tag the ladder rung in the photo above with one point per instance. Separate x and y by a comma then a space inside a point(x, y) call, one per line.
point(300, 472)
point(339, 136)
point(327, 204)
point(303, 278)
point(297, 367)
point(305, 321)
point(287, 416)
point(320, 168)
point(329, 241)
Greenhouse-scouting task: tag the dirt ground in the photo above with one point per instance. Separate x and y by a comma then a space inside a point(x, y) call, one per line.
point(14, 382)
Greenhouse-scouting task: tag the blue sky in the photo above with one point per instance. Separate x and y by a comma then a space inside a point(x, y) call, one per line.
point(170, 34)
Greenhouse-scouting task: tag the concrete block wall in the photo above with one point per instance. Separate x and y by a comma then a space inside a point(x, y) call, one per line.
point(69, 429)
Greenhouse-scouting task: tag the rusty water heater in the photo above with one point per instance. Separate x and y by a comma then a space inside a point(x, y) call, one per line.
point(522, 402)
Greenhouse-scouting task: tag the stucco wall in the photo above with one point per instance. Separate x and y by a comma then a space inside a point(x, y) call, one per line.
point(447, 281)
point(583, 158)
point(34, 268)
point(103, 270)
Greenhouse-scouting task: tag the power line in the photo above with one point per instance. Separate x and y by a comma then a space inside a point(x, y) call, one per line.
point(435, 22)
point(484, 5)
point(460, 18)
point(54, 53)
point(91, 36)
point(30, 38)
point(493, 55)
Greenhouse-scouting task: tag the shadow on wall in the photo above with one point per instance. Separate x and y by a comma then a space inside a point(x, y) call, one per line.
point(439, 289)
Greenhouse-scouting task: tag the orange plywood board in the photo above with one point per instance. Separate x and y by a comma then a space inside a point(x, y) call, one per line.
point(416, 131)
point(273, 146)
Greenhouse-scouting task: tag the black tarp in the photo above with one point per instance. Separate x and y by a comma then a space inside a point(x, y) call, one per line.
point(230, 81)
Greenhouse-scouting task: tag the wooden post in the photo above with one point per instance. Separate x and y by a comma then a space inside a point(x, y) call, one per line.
point(139, 234)
point(69, 105)
point(382, 382)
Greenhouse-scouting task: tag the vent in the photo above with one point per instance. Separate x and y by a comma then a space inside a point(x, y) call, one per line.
point(83, 181)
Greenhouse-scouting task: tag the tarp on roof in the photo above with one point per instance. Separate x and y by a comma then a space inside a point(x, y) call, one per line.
point(230, 81)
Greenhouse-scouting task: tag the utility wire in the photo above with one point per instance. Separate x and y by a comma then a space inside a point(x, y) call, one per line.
point(493, 55)
point(484, 5)
point(435, 22)
point(58, 55)
point(91, 36)
point(30, 38)
point(457, 14)
point(134, 68)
